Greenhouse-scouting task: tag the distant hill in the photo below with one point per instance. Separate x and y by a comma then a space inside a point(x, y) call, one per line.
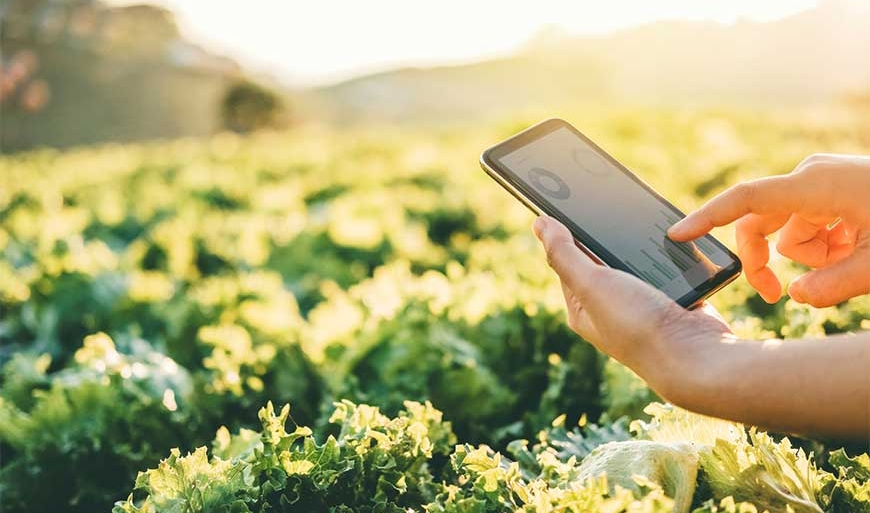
point(460, 92)
point(811, 57)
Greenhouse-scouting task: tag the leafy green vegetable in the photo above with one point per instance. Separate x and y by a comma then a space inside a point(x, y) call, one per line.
point(376, 463)
point(317, 266)
point(488, 483)
point(754, 468)
point(566, 444)
point(673, 466)
point(726, 505)
point(849, 489)
point(771, 475)
point(108, 415)
point(193, 483)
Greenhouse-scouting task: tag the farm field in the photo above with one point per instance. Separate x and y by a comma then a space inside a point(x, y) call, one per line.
point(161, 303)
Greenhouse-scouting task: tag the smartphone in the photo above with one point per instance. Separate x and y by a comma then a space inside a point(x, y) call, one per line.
point(615, 217)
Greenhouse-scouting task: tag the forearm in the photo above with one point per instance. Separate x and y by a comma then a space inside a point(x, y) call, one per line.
point(808, 386)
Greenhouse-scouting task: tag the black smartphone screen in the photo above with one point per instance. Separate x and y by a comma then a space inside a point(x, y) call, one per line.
point(612, 212)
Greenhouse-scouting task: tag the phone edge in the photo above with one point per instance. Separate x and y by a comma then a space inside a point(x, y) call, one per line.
point(591, 254)
point(531, 205)
point(707, 294)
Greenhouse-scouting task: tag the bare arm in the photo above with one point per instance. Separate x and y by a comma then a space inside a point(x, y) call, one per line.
point(808, 386)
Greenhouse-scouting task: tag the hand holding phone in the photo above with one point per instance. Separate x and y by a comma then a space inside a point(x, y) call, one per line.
point(614, 216)
point(624, 317)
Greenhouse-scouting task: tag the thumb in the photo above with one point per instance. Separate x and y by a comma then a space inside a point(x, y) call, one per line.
point(573, 267)
point(834, 284)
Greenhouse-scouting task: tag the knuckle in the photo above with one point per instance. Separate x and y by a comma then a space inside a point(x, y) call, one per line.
point(744, 225)
point(814, 165)
point(745, 192)
point(813, 161)
point(816, 171)
point(820, 185)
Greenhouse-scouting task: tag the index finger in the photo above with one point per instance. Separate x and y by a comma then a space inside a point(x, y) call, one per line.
point(766, 196)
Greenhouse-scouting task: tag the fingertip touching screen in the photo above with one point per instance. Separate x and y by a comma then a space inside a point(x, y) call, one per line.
point(621, 220)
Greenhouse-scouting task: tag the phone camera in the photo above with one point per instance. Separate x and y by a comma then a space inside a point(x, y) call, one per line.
point(549, 183)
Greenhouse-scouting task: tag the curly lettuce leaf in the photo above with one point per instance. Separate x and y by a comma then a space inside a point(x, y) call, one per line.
point(849, 490)
point(194, 483)
point(486, 482)
point(771, 475)
point(672, 466)
point(107, 414)
point(726, 505)
point(672, 424)
point(376, 464)
point(750, 467)
point(565, 444)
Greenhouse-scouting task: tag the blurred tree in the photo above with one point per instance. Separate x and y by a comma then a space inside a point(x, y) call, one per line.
point(248, 106)
point(145, 30)
point(84, 71)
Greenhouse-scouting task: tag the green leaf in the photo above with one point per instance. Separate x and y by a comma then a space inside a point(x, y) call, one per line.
point(850, 490)
point(672, 466)
point(194, 484)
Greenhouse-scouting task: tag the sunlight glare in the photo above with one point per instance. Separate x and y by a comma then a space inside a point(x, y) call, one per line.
point(329, 40)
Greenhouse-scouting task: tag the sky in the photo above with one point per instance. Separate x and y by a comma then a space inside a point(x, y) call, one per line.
point(321, 41)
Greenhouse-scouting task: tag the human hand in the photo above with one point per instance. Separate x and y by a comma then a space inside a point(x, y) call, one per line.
point(627, 318)
point(822, 213)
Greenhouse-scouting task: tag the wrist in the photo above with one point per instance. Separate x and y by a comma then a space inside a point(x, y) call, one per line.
point(689, 371)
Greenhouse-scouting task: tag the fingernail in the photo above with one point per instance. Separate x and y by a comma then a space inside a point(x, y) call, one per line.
point(539, 226)
point(677, 227)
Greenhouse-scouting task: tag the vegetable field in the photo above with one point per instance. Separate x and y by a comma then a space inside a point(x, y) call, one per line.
point(160, 304)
